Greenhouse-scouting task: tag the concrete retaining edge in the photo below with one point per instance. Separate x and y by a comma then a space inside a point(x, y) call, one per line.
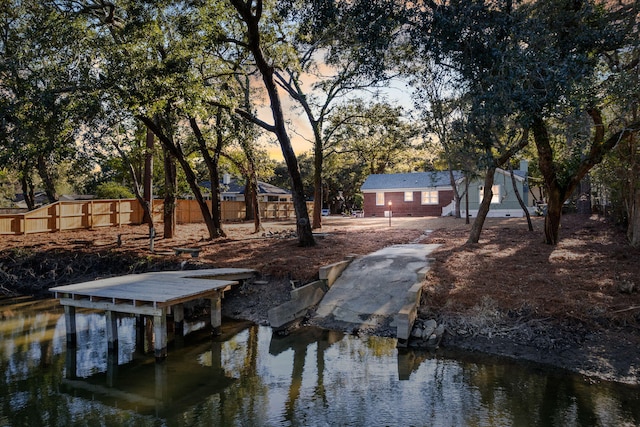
point(306, 296)
point(407, 315)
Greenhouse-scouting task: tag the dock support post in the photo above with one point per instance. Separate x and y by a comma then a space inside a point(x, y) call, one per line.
point(71, 363)
point(178, 319)
point(216, 312)
point(140, 328)
point(112, 331)
point(70, 325)
point(160, 335)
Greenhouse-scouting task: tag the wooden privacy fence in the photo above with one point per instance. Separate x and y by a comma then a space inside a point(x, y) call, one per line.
point(77, 215)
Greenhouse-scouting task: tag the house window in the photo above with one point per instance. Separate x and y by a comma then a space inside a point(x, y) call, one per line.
point(430, 197)
point(379, 199)
point(496, 194)
point(408, 196)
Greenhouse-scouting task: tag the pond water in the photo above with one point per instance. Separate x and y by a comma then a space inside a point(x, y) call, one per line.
point(247, 377)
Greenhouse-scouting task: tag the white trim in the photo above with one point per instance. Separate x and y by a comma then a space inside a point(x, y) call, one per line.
point(496, 213)
point(402, 190)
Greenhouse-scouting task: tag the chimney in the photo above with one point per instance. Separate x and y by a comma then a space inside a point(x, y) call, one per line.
point(226, 178)
point(524, 165)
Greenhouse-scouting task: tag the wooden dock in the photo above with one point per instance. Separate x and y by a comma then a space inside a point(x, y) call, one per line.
point(149, 294)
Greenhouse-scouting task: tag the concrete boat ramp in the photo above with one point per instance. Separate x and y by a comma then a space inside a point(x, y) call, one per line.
point(377, 293)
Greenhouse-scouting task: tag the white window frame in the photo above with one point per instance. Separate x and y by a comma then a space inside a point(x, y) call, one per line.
point(379, 199)
point(430, 197)
point(408, 196)
point(495, 189)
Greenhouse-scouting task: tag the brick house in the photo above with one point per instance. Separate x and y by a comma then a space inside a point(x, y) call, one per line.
point(410, 194)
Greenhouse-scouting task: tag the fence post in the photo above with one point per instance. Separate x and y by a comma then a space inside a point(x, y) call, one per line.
point(90, 214)
point(57, 212)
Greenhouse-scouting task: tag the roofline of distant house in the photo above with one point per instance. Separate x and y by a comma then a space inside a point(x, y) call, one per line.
point(378, 190)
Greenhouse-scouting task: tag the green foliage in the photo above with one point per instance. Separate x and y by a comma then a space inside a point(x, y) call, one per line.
point(113, 190)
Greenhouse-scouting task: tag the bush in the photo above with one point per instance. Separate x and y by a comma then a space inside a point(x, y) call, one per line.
point(113, 190)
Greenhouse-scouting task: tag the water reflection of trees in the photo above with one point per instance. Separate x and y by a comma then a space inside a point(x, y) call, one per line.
point(311, 376)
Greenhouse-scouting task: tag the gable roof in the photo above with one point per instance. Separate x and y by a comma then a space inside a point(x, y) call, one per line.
point(406, 181)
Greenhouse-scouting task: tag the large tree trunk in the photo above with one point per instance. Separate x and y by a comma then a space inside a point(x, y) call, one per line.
point(557, 190)
point(170, 184)
point(555, 193)
point(251, 16)
point(483, 210)
point(47, 179)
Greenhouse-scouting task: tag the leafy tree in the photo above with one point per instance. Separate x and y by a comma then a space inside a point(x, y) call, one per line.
point(113, 190)
point(377, 135)
point(161, 65)
point(251, 14)
point(322, 74)
point(43, 62)
point(533, 62)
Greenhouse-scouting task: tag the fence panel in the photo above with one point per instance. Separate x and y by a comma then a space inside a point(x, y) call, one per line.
point(12, 224)
point(75, 215)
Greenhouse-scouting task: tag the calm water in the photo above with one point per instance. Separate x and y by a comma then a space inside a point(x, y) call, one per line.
point(249, 378)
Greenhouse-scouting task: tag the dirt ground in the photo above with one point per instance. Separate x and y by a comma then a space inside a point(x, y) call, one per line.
point(575, 305)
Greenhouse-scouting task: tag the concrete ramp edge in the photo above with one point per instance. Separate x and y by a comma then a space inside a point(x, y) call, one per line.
point(306, 296)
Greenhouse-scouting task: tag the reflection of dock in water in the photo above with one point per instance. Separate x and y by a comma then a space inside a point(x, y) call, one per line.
point(159, 389)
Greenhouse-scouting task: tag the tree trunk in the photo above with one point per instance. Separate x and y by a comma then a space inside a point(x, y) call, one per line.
point(466, 198)
point(212, 163)
point(317, 188)
point(483, 210)
point(520, 201)
point(176, 152)
point(251, 16)
point(555, 195)
point(583, 201)
point(554, 216)
point(47, 179)
point(146, 204)
point(633, 230)
point(27, 190)
point(252, 205)
point(456, 193)
point(148, 177)
point(170, 184)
